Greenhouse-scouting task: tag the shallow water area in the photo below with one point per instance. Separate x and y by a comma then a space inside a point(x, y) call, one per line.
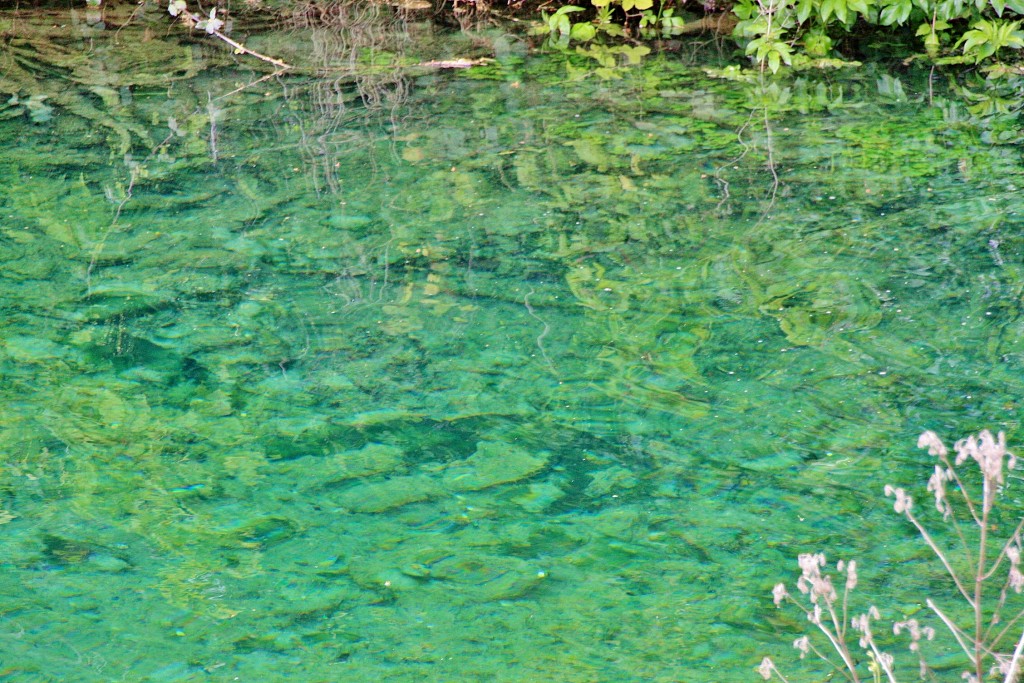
point(514, 372)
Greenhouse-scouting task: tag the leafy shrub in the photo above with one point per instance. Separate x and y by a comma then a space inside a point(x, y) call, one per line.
point(797, 32)
point(951, 31)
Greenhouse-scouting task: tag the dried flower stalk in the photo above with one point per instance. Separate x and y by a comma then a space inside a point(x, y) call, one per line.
point(983, 641)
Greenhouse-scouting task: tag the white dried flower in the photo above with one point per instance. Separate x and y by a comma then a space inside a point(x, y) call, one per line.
point(766, 668)
point(779, 593)
point(937, 485)
point(903, 502)
point(862, 625)
point(803, 643)
point(1016, 579)
point(851, 575)
point(933, 442)
point(917, 632)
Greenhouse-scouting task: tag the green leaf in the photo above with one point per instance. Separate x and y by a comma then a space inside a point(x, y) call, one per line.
point(861, 7)
point(896, 13)
point(583, 32)
point(746, 9)
point(830, 7)
point(803, 10)
point(998, 6)
point(643, 4)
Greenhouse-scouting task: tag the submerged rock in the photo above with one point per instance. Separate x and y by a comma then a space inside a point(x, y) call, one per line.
point(389, 494)
point(493, 463)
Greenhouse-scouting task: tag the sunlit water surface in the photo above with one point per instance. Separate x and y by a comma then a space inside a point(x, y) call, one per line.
point(513, 373)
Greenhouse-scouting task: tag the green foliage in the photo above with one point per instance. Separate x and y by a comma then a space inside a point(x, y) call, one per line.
point(987, 37)
point(798, 33)
point(557, 23)
point(771, 28)
point(599, 31)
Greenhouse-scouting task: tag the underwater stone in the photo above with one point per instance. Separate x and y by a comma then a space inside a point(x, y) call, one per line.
point(348, 221)
point(25, 349)
point(615, 478)
point(389, 494)
point(483, 578)
point(371, 459)
point(539, 496)
point(107, 563)
point(493, 463)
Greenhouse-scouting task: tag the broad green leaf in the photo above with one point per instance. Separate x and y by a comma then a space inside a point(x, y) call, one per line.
point(583, 32)
point(745, 10)
point(804, 9)
point(859, 6)
point(897, 13)
point(830, 7)
point(840, 8)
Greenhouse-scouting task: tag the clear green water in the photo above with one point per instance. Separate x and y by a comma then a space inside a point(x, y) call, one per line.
point(488, 375)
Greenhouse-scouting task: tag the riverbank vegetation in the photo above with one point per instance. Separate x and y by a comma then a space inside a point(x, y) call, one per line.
point(770, 34)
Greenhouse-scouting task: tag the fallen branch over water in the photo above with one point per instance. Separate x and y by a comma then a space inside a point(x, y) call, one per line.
point(212, 25)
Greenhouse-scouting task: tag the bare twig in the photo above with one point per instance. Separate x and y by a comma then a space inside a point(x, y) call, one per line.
point(212, 27)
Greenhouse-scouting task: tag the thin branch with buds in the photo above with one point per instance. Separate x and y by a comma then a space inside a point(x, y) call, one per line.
point(212, 25)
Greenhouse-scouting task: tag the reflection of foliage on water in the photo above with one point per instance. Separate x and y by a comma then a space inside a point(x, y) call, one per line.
point(356, 48)
point(42, 57)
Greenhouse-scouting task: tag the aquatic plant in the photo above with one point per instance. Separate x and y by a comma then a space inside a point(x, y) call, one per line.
point(981, 631)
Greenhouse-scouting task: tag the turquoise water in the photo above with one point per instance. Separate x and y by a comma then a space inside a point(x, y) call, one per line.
point(511, 373)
